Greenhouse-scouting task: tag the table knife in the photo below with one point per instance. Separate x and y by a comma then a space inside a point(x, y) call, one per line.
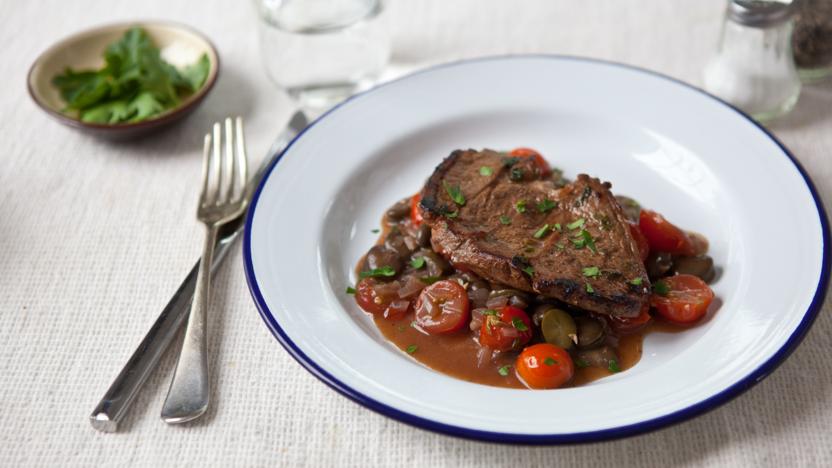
point(115, 403)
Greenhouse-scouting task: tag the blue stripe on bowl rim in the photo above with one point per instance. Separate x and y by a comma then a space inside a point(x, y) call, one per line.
point(642, 427)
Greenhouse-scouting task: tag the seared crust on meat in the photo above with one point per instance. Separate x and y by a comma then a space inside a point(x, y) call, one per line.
point(586, 256)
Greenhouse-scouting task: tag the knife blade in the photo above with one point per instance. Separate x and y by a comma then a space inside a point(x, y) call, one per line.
point(122, 392)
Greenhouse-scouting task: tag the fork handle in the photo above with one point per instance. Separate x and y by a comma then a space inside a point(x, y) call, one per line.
point(122, 393)
point(189, 393)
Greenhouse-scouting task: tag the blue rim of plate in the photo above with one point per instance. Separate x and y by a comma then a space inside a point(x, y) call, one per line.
point(642, 427)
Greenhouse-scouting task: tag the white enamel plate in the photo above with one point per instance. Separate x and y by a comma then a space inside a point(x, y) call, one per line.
point(704, 165)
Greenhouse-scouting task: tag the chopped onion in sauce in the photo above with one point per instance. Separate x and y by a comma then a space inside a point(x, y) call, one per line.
point(411, 286)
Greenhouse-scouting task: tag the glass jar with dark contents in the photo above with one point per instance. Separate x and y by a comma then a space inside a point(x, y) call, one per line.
point(812, 39)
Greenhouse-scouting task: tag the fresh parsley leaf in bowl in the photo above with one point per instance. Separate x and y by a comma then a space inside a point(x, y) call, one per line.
point(134, 85)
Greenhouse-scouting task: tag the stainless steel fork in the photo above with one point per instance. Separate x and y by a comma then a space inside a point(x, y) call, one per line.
point(223, 199)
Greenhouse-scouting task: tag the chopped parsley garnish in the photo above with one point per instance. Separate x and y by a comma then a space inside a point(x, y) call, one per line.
point(613, 367)
point(505, 220)
point(636, 282)
point(350, 290)
point(661, 288)
point(455, 193)
point(503, 370)
point(508, 162)
point(523, 264)
point(584, 239)
point(417, 262)
point(549, 361)
point(546, 205)
point(558, 228)
point(486, 171)
point(516, 174)
point(591, 272)
point(542, 231)
point(375, 231)
point(412, 349)
point(589, 288)
point(489, 312)
point(579, 223)
point(581, 363)
point(520, 206)
point(430, 279)
point(445, 211)
point(377, 272)
point(519, 324)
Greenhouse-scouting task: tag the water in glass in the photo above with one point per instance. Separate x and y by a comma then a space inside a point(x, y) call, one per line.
point(322, 51)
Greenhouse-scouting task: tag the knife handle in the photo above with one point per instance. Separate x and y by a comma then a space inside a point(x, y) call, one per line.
point(115, 403)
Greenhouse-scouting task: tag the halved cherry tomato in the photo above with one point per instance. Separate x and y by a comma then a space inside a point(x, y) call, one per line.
point(508, 328)
point(545, 365)
point(629, 325)
point(415, 210)
point(641, 241)
point(369, 299)
point(538, 159)
point(664, 236)
point(685, 300)
point(442, 308)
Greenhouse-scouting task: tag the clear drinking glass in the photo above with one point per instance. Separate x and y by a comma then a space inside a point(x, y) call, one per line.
point(322, 51)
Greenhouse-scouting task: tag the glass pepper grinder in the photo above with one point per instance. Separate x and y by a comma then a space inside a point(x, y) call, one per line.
point(812, 40)
point(753, 67)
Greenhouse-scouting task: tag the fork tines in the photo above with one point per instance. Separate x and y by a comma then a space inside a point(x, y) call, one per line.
point(224, 175)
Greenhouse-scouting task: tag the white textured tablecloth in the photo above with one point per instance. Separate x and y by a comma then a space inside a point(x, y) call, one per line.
point(95, 236)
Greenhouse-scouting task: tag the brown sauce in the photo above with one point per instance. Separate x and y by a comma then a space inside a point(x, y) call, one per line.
point(457, 354)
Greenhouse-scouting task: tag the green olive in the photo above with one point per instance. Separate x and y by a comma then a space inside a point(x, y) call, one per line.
point(559, 328)
point(590, 332)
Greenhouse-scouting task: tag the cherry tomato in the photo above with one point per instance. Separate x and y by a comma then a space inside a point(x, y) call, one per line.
point(415, 210)
point(681, 299)
point(641, 241)
point(628, 325)
point(369, 299)
point(442, 308)
point(664, 236)
point(545, 365)
point(538, 159)
point(510, 328)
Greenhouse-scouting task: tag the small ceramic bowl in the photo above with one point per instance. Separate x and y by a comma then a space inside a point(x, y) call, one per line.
point(179, 46)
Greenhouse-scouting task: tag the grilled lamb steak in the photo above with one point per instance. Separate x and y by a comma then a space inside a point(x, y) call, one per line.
point(512, 225)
